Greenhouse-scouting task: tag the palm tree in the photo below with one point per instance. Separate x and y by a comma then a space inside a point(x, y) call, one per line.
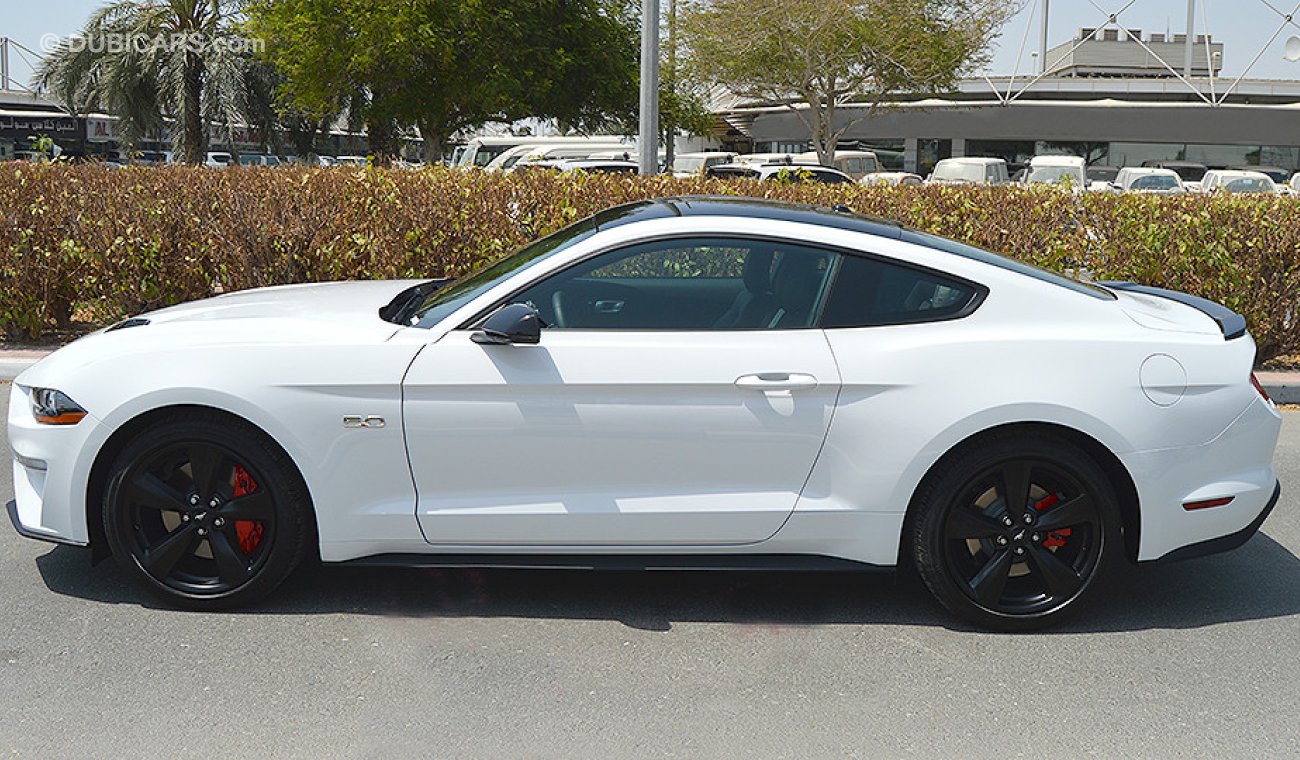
point(148, 61)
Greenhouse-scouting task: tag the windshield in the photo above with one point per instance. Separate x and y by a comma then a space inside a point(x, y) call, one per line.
point(1154, 182)
point(1248, 185)
point(960, 172)
point(485, 154)
point(1053, 174)
point(443, 301)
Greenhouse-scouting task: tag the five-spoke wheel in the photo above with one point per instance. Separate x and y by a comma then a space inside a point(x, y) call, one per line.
point(206, 511)
point(1010, 534)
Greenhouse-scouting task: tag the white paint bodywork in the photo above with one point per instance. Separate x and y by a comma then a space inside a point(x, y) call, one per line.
point(643, 442)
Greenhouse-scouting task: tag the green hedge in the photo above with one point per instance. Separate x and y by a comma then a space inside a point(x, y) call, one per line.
point(82, 246)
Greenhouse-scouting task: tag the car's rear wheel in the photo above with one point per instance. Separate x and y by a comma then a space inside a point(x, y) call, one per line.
point(1010, 534)
point(206, 511)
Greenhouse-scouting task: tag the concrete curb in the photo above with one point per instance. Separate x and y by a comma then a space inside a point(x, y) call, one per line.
point(1283, 387)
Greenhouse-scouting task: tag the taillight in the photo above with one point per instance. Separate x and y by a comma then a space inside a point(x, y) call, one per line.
point(1255, 382)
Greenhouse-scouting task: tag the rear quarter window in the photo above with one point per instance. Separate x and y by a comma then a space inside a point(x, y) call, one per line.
point(870, 293)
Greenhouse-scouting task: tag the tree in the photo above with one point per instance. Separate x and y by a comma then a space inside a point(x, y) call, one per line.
point(449, 65)
point(147, 61)
point(825, 54)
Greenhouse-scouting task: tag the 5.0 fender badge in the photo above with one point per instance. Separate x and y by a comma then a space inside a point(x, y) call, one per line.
point(357, 421)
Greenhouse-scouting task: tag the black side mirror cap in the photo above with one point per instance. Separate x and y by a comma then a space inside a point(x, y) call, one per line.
point(513, 323)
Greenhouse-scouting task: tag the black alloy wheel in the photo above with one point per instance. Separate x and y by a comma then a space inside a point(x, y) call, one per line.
point(208, 513)
point(1011, 535)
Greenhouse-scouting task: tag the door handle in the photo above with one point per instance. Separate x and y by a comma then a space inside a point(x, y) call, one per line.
point(776, 381)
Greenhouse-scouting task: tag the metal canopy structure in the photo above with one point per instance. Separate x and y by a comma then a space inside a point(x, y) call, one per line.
point(1208, 89)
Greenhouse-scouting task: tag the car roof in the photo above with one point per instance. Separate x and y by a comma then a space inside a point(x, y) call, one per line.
point(839, 217)
point(973, 160)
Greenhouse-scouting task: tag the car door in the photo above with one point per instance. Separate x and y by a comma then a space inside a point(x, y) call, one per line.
point(679, 396)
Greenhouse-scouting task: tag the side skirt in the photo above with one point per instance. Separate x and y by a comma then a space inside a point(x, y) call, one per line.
point(752, 562)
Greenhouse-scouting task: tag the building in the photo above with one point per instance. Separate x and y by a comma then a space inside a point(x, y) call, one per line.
point(1108, 95)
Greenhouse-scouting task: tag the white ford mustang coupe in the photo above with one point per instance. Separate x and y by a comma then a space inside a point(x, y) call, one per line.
point(681, 383)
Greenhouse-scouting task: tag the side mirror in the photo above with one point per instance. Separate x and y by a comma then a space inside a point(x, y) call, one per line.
point(514, 323)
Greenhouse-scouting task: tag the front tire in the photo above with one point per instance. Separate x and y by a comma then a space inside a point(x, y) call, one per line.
point(1011, 534)
point(206, 511)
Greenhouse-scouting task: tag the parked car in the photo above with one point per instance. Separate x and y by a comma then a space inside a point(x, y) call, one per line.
point(220, 160)
point(1234, 181)
point(1279, 175)
point(1055, 170)
point(1148, 180)
point(791, 173)
point(1190, 173)
point(906, 179)
point(1294, 184)
point(153, 158)
point(759, 159)
point(350, 161)
point(258, 159)
point(680, 383)
point(695, 164)
point(855, 163)
point(970, 171)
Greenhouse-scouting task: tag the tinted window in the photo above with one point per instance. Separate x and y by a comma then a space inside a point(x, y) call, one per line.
point(868, 292)
point(691, 284)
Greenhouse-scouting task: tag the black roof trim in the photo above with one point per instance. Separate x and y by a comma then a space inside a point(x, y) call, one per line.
point(1230, 322)
point(733, 205)
point(839, 217)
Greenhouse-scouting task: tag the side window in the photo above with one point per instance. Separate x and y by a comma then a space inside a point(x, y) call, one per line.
point(693, 284)
point(869, 292)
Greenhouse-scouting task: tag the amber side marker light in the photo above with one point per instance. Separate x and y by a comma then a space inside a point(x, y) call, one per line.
point(1194, 505)
point(51, 407)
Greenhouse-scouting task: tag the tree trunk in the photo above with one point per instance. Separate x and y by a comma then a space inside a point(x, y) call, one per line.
point(382, 136)
point(194, 137)
point(433, 138)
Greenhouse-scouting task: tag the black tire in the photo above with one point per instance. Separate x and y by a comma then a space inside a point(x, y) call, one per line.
point(206, 511)
point(1024, 567)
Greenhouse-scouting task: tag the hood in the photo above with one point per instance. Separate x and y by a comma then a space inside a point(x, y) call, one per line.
point(334, 312)
point(347, 302)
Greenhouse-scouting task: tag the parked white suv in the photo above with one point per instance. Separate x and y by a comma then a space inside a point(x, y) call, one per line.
point(970, 171)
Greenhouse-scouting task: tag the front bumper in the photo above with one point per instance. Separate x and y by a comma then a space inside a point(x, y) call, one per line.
point(25, 532)
point(51, 466)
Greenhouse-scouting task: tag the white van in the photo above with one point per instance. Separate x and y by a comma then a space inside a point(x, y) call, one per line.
point(855, 163)
point(970, 171)
point(695, 164)
point(481, 151)
point(1055, 170)
point(532, 152)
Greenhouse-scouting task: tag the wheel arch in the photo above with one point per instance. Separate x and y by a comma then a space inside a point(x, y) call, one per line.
point(1118, 475)
point(100, 470)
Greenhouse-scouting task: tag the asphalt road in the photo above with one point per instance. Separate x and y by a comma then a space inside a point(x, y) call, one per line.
point(1190, 660)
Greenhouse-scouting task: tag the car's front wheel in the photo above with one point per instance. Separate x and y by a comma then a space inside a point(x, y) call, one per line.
point(206, 511)
point(1010, 534)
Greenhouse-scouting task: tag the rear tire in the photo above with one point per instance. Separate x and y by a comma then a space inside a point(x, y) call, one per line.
point(206, 511)
point(1010, 534)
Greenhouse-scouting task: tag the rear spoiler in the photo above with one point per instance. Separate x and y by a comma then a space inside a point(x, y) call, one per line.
point(1230, 322)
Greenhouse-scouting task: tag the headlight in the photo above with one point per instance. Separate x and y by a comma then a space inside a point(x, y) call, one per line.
point(53, 407)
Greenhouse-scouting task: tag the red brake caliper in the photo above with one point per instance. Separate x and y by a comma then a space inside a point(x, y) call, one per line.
point(1057, 537)
point(250, 531)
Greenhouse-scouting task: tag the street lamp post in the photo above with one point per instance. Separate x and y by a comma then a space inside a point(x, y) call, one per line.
point(648, 138)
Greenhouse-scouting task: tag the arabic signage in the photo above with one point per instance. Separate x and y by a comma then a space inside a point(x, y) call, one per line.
point(22, 127)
